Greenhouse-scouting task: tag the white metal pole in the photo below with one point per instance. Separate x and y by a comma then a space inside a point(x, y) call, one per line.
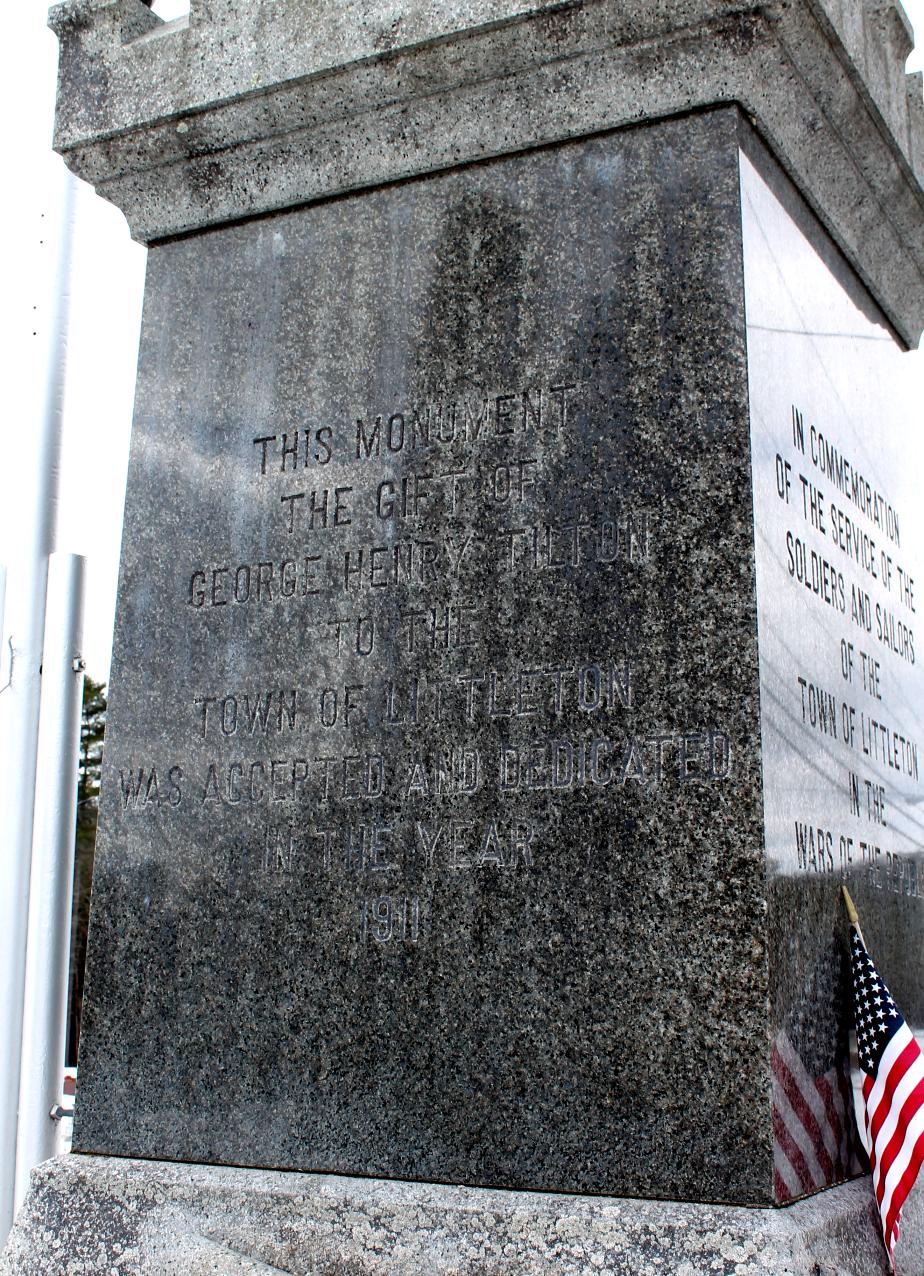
point(3, 668)
point(52, 875)
point(24, 623)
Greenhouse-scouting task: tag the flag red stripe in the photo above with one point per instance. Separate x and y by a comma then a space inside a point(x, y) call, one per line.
point(825, 1090)
point(910, 1107)
point(792, 1153)
point(900, 1193)
point(804, 1113)
point(893, 1079)
point(780, 1190)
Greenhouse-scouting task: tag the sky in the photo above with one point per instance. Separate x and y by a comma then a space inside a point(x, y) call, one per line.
point(106, 286)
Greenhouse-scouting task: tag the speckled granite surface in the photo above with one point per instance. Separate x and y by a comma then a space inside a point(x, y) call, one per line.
point(434, 842)
point(250, 106)
point(136, 1218)
point(455, 737)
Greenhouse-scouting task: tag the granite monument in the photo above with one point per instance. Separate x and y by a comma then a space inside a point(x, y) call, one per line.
point(516, 639)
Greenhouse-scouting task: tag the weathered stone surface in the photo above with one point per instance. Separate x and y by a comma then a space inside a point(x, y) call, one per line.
point(250, 107)
point(456, 826)
point(838, 527)
point(453, 826)
point(460, 913)
point(89, 1215)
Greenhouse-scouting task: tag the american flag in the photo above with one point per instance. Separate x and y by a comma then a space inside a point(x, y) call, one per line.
point(891, 1114)
point(813, 1141)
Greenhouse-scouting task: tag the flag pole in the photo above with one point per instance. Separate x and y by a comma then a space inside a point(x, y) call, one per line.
point(22, 639)
point(852, 913)
point(52, 871)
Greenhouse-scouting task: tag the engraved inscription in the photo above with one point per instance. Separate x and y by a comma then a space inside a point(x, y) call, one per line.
point(405, 745)
point(842, 550)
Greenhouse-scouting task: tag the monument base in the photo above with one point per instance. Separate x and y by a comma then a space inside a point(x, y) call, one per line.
point(91, 1214)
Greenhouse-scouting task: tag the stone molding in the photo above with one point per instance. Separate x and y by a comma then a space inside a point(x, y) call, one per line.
point(95, 1215)
point(248, 107)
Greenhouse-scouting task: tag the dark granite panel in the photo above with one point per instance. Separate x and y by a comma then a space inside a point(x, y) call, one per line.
point(432, 832)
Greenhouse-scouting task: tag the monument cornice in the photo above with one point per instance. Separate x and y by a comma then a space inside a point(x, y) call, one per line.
point(247, 107)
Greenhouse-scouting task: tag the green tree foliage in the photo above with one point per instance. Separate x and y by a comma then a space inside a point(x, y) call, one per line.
point(92, 730)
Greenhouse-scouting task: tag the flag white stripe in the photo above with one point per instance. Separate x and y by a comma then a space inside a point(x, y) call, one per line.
point(855, 1082)
point(843, 1113)
point(789, 1176)
point(886, 1063)
point(903, 1159)
point(912, 1077)
point(862, 1119)
point(809, 1091)
point(799, 1135)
